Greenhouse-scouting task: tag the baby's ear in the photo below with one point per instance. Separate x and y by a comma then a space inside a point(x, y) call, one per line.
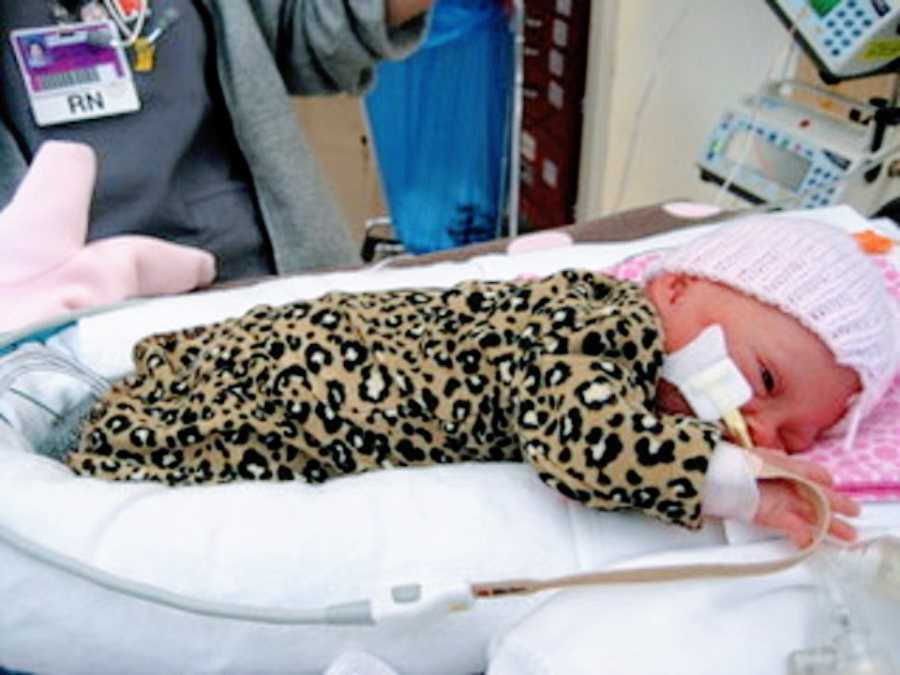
point(669, 288)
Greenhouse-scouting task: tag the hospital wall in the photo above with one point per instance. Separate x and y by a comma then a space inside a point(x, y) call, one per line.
point(697, 56)
point(703, 55)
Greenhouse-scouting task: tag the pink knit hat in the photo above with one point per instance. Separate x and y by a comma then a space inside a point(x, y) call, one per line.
point(816, 273)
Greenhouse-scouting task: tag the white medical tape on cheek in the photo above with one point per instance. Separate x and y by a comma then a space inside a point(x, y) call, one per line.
point(706, 375)
point(709, 380)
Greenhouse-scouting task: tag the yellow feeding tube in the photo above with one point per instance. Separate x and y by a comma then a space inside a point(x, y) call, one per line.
point(735, 423)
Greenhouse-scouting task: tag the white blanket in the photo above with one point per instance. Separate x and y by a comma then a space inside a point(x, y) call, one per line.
point(293, 545)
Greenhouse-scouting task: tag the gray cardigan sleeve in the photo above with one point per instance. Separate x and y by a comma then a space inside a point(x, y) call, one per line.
point(12, 165)
point(331, 46)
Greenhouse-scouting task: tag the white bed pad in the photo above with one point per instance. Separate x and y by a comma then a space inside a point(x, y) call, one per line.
point(293, 545)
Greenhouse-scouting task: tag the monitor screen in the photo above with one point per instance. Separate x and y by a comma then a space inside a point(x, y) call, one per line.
point(778, 165)
point(823, 7)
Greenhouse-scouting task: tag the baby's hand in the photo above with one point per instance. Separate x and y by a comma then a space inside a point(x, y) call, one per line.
point(785, 507)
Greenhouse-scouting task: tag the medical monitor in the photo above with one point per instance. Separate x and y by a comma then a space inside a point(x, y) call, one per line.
point(770, 148)
point(846, 38)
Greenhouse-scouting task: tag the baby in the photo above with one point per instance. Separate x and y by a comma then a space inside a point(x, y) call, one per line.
point(562, 373)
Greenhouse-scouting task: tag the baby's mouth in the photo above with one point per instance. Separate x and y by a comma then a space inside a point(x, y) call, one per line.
point(669, 400)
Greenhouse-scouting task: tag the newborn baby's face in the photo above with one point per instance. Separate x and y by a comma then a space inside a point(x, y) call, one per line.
point(799, 390)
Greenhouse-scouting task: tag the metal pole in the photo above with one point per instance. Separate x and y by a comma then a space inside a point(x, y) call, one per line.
point(515, 144)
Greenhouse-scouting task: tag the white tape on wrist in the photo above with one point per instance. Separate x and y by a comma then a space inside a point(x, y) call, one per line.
point(731, 490)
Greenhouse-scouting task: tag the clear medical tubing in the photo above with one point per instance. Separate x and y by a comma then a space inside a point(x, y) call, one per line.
point(849, 579)
point(679, 572)
point(411, 599)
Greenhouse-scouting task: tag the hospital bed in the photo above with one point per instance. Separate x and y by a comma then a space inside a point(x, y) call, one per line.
point(92, 573)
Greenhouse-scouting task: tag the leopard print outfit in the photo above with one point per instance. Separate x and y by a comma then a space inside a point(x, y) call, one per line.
point(559, 372)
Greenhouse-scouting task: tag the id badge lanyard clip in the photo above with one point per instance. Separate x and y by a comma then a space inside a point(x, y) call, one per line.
point(132, 23)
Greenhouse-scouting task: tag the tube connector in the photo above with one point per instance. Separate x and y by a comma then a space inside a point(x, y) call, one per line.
point(419, 601)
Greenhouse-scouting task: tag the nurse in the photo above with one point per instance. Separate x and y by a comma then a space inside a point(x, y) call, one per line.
point(186, 103)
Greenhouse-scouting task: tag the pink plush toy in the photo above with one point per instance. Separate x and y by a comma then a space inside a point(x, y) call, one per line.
point(47, 269)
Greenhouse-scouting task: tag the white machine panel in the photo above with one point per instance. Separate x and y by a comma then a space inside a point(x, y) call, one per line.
point(772, 149)
point(849, 38)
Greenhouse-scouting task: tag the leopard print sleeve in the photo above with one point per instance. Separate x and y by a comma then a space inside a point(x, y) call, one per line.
point(586, 414)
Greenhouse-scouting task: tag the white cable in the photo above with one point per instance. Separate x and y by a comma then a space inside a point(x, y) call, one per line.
point(388, 262)
point(788, 59)
point(407, 602)
point(129, 35)
point(354, 613)
point(748, 140)
point(649, 85)
point(114, 10)
point(412, 600)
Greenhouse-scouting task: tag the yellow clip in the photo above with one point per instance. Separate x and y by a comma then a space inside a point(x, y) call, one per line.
point(144, 55)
